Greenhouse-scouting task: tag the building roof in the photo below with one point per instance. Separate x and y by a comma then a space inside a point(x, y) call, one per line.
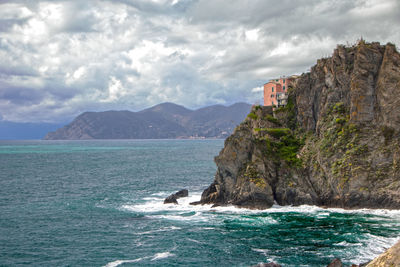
point(272, 82)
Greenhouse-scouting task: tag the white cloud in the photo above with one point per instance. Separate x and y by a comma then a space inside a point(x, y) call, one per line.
point(257, 89)
point(252, 35)
point(60, 58)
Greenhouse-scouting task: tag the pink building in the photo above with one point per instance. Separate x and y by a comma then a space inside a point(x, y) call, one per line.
point(275, 91)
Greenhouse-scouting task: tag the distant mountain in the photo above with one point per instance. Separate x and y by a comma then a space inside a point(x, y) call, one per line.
point(166, 120)
point(25, 131)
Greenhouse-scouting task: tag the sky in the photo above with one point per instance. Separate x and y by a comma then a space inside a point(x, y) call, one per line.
point(61, 58)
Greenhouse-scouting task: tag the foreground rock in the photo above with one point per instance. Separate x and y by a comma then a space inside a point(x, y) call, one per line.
point(388, 259)
point(335, 144)
point(173, 198)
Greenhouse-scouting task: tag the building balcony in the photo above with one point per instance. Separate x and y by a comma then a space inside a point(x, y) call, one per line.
point(281, 96)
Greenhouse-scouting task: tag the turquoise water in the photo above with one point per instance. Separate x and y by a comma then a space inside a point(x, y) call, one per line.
point(99, 203)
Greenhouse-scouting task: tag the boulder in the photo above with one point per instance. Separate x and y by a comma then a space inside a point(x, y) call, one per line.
point(173, 198)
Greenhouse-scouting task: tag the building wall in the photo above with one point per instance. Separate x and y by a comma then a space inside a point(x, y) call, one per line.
point(270, 91)
point(280, 85)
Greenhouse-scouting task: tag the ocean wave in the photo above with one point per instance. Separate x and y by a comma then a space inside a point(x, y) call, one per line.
point(373, 246)
point(162, 255)
point(119, 262)
point(157, 256)
point(360, 249)
point(153, 206)
point(155, 203)
point(164, 229)
point(266, 254)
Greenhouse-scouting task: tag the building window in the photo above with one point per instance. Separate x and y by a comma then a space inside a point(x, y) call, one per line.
point(272, 96)
point(283, 88)
point(277, 80)
point(272, 89)
point(283, 80)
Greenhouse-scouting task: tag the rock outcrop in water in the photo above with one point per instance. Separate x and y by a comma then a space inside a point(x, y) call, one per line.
point(335, 144)
point(174, 197)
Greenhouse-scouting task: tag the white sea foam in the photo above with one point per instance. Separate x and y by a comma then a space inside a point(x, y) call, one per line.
point(266, 253)
point(155, 204)
point(348, 244)
point(119, 262)
point(195, 241)
point(161, 194)
point(157, 256)
point(261, 250)
point(162, 255)
point(164, 229)
point(151, 198)
point(372, 247)
point(321, 212)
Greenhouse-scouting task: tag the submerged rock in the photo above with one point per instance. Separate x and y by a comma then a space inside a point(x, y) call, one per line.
point(173, 198)
point(335, 144)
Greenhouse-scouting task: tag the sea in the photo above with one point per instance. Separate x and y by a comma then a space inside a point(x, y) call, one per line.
point(100, 203)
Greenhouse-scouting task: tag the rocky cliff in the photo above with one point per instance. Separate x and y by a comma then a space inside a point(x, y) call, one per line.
point(336, 143)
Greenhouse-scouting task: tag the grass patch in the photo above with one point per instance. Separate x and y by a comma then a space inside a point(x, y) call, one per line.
point(252, 115)
point(272, 119)
point(254, 177)
point(278, 132)
point(285, 146)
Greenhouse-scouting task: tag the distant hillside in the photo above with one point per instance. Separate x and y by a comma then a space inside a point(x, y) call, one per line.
point(165, 120)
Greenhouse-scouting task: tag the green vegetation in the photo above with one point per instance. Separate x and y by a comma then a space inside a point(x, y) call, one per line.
point(252, 115)
point(284, 146)
point(289, 109)
point(272, 119)
point(340, 135)
point(253, 175)
point(341, 142)
point(339, 108)
point(257, 107)
point(278, 132)
point(340, 121)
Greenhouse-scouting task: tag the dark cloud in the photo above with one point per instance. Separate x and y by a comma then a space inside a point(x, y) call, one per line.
point(20, 95)
point(7, 24)
point(9, 70)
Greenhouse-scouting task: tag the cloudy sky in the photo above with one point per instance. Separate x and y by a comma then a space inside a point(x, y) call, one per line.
point(61, 58)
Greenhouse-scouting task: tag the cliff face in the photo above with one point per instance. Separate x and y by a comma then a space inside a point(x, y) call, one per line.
point(336, 143)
